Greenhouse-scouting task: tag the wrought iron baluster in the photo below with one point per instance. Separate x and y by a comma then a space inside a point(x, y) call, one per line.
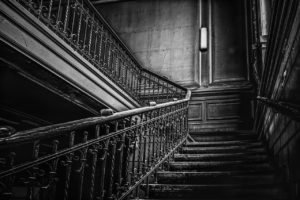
point(102, 170)
point(119, 166)
point(94, 152)
point(32, 179)
point(79, 25)
point(58, 20)
point(96, 35)
point(84, 43)
point(133, 168)
point(101, 32)
point(52, 180)
point(126, 162)
point(39, 12)
point(7, 183)
point(81, 170)
point(66, 21)
point(91, 37)
point(68, 165)
point(49, 12)
point(110, 174)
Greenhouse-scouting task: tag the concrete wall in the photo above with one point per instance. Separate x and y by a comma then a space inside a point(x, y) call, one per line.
point(160, 33)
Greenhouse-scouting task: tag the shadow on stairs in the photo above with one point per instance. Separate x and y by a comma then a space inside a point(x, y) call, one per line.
point(221, 165)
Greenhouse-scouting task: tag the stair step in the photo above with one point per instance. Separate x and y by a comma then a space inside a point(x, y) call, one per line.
point(223, 190)
point(229, 149)
point(250, 156)
point(223, 143)
point(219, 165)
point(223, 198)
point(222, 136)
point(218, 177)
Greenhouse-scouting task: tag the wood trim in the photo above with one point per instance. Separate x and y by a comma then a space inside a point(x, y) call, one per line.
point(210, 46)
point(22, 20)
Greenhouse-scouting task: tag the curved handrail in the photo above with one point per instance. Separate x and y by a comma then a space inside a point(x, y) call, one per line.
point(54, 130)
point(130, 145)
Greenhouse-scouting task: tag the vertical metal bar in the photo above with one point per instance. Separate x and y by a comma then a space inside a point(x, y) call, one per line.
point(66, 19)
point(72, 34)
point(101, 32)
point(90, 38)
point(134, 153)
point(94, 152)
point(110, 184)
point(40, 9)
point(102, 171)
point(94, 56)
point(49, 12)
point(83, 153)
point(33, 172)
point(119, 165)
point(68, 165)
point(84, 44)
point(58, 16)
point(79, 25)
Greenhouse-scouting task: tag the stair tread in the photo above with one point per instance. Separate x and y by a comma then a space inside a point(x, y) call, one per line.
point(212, 162)
point(223, 143)
point(211, 173)
point(254, 157)
point(223, 198)
point(219, 165)
point(258, 146)
point(221, 149)
point(215, 185)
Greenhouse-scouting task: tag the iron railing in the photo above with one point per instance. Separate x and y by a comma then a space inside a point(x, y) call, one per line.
point(79, 24)
point(94, 158)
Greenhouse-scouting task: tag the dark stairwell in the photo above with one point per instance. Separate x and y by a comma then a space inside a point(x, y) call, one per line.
point(220, 165)
point(179, 144)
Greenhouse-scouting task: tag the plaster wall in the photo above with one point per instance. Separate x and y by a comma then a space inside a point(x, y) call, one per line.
point(161, 34)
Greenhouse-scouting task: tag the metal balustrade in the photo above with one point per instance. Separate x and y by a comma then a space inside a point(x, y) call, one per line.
point(95, 158)
point(79, 24)
point(108, 157)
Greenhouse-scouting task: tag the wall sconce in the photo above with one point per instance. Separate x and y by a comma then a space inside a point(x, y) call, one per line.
point(203, 39)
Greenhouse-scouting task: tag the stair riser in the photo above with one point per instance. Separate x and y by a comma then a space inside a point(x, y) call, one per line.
point(224, 144)
point(226, 157)
point(221, 179)
point(216, 138)
point(205, 151)
point(218, 167)
point(213, 192)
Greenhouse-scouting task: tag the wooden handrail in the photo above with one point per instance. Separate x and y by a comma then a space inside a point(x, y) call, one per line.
point(283, 107)
point(54, 130)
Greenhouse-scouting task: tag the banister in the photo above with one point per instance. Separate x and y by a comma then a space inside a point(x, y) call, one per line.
point(164, 79)
point(53, 130)
point(283, 107)
point(111, 155)
point(114, 155)
point(79, 24)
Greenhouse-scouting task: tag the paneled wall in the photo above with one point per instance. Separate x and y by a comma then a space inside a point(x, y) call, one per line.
point(161, 34)
point(223, 100)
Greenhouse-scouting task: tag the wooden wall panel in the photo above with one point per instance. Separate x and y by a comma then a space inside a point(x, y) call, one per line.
point(223, 109)
point(195, 112)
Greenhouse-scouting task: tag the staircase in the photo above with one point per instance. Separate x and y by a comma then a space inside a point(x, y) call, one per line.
point(221, 165)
